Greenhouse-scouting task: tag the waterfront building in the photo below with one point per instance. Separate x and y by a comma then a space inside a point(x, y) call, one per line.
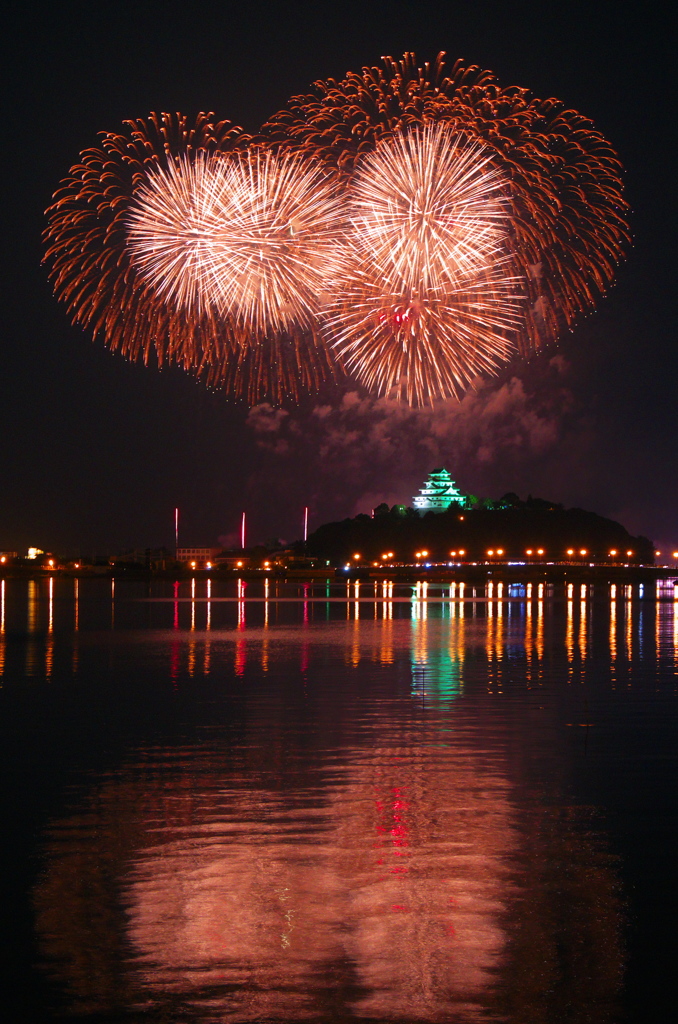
point(201, 556)
point(438, 493)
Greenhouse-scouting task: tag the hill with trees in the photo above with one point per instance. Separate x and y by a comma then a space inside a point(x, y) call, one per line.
point(505, 528)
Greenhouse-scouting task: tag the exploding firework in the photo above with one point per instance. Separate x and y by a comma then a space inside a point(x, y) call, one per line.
point(417, 224)
point(428, 299)
point(109, 289)
point(567, 221)
point(249, 237)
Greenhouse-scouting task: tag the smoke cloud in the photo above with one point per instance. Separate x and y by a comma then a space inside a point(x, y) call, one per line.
point(525, 433)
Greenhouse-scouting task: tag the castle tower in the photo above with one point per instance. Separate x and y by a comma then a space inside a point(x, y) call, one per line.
point(438, 493)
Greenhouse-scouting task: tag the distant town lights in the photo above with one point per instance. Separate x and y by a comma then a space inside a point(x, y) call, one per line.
point(34, 552)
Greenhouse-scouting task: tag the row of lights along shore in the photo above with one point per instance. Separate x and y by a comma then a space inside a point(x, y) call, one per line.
point(494, 553)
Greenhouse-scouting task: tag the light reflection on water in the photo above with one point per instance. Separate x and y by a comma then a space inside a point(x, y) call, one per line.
point(358, 808)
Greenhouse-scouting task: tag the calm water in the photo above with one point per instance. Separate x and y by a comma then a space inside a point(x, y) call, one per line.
point(239, 803)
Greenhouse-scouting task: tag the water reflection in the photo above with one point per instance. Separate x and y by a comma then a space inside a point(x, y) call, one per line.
point(395, 892)
point(512, 622)
point(367, 837)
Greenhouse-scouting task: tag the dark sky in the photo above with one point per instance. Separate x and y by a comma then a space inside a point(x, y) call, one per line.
point(96, 452)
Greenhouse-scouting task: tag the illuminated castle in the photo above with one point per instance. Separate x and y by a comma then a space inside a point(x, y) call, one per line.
point(438, 493)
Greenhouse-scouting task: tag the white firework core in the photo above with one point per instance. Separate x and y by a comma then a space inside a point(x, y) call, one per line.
point(427, 299)
point(250, 237)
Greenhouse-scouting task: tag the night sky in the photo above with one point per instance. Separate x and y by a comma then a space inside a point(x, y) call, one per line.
point(96, 452)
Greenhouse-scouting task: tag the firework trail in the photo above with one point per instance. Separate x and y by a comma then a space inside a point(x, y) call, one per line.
point(428, 299)
point(568, 228)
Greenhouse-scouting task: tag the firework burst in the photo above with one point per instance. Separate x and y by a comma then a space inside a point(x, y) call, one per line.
point(420, 224)
point(249, 237)
point(567, 215)
point(112, 291)
point(428, 299)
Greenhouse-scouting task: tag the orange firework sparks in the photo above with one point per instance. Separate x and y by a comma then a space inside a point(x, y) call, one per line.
point(250, 236)
point(417, 224)
point(105, 286)
point(428, 299)
point(568, 228)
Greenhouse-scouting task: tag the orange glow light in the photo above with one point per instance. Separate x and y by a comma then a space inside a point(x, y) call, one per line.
point(500, 551)
point(583, 551)
point(529, 551)
point(570, 551)
point(613, 552)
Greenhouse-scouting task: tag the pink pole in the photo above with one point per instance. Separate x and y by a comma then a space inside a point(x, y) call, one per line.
point(176, 530)
point(305, 524)
point(242, 532)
